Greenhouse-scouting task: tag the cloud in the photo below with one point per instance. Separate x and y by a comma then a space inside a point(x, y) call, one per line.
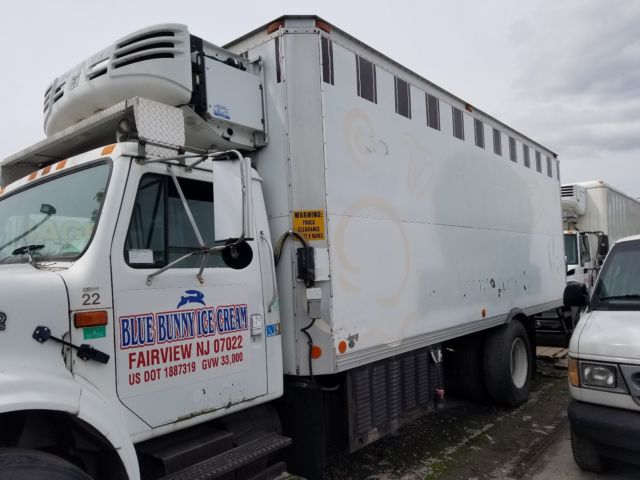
point(577, 86)
point(576, 48)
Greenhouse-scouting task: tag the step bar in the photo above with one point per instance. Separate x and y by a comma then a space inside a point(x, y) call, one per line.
point(230, 460)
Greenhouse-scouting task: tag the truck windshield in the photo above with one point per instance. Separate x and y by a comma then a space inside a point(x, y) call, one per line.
point(618, 286)
point(571, 248)
point(52, 220)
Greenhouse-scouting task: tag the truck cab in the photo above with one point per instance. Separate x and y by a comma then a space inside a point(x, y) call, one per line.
point(124, 309)
point(604, 364)
point(581, 263)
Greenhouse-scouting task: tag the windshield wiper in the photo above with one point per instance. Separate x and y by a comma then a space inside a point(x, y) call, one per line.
point(26, 250)
point(631, 296)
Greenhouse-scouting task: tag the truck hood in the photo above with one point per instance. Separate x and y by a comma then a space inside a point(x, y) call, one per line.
point(614, 335)
point(29, 298)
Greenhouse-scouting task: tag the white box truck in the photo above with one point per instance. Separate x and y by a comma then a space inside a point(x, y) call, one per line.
point(148, 327)
point(604, 364)
point(594, 214)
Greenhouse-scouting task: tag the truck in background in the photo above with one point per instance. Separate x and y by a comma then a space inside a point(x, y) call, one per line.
point(594, 214)
point(294, 240)
point(604, 364)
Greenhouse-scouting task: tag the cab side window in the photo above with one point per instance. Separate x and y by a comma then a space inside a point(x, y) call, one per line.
point(159, 229)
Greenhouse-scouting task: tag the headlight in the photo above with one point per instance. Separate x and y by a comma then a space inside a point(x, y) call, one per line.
point(599, 375)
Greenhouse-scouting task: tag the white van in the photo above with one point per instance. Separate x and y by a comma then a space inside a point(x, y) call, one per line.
point(604, 362)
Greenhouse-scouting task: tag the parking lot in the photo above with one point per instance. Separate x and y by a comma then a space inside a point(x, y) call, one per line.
point(470, 441)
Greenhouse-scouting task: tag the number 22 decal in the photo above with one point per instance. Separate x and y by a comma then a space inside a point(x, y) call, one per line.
point(90, 299)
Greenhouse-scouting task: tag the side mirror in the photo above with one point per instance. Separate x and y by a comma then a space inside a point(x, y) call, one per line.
point(603, 244)
point(571, 272)
point(575, 295)
point(237, 256)
point(231, 198)
point(47, 209)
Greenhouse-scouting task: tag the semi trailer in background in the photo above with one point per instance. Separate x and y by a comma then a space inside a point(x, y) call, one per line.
point(594, 215)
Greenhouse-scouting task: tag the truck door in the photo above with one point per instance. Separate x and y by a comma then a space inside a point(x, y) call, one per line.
point(182, 347)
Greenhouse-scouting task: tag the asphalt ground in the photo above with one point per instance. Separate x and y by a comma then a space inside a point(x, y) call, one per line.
point(473, 441)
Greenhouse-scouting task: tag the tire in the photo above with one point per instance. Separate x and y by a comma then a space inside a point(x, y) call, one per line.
point(20, 464)
point(586, 455)
point(507, 364)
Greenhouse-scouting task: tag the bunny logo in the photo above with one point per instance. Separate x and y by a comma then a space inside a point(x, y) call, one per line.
point(192, 296)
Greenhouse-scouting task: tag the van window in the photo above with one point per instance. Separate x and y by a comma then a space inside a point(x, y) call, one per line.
point(160, 231)
point(618, 286)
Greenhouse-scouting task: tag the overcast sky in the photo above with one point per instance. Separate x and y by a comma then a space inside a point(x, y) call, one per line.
point(564, 72)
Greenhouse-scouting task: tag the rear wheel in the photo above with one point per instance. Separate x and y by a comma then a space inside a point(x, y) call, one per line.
point(586, 455)
point(507, 364)
point(20, 464)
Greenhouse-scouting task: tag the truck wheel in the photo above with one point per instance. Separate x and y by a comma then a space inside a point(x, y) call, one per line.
point(20, 464)
point(586, 455)
point(507, 364)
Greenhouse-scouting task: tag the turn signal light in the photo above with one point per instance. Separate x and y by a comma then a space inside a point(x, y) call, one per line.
point(90, 319)
point(574, 374)
point(316, 352)
point(108, 149)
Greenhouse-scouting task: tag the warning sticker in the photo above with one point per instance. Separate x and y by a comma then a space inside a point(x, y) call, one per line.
point(309, 224)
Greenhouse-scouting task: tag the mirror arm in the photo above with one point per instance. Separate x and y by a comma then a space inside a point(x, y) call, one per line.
point(199, 276)
point(187, 210)
point(274, 296)
point(205, 250)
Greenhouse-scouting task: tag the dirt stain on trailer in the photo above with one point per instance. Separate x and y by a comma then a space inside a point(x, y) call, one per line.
point(419, 176)
point(353, 275)
point(361, 139)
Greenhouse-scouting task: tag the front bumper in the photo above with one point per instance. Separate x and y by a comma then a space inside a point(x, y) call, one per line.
point(614, 431)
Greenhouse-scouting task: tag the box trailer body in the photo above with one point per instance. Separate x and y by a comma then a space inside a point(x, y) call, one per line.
point(424, 224)
point(387, 183)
